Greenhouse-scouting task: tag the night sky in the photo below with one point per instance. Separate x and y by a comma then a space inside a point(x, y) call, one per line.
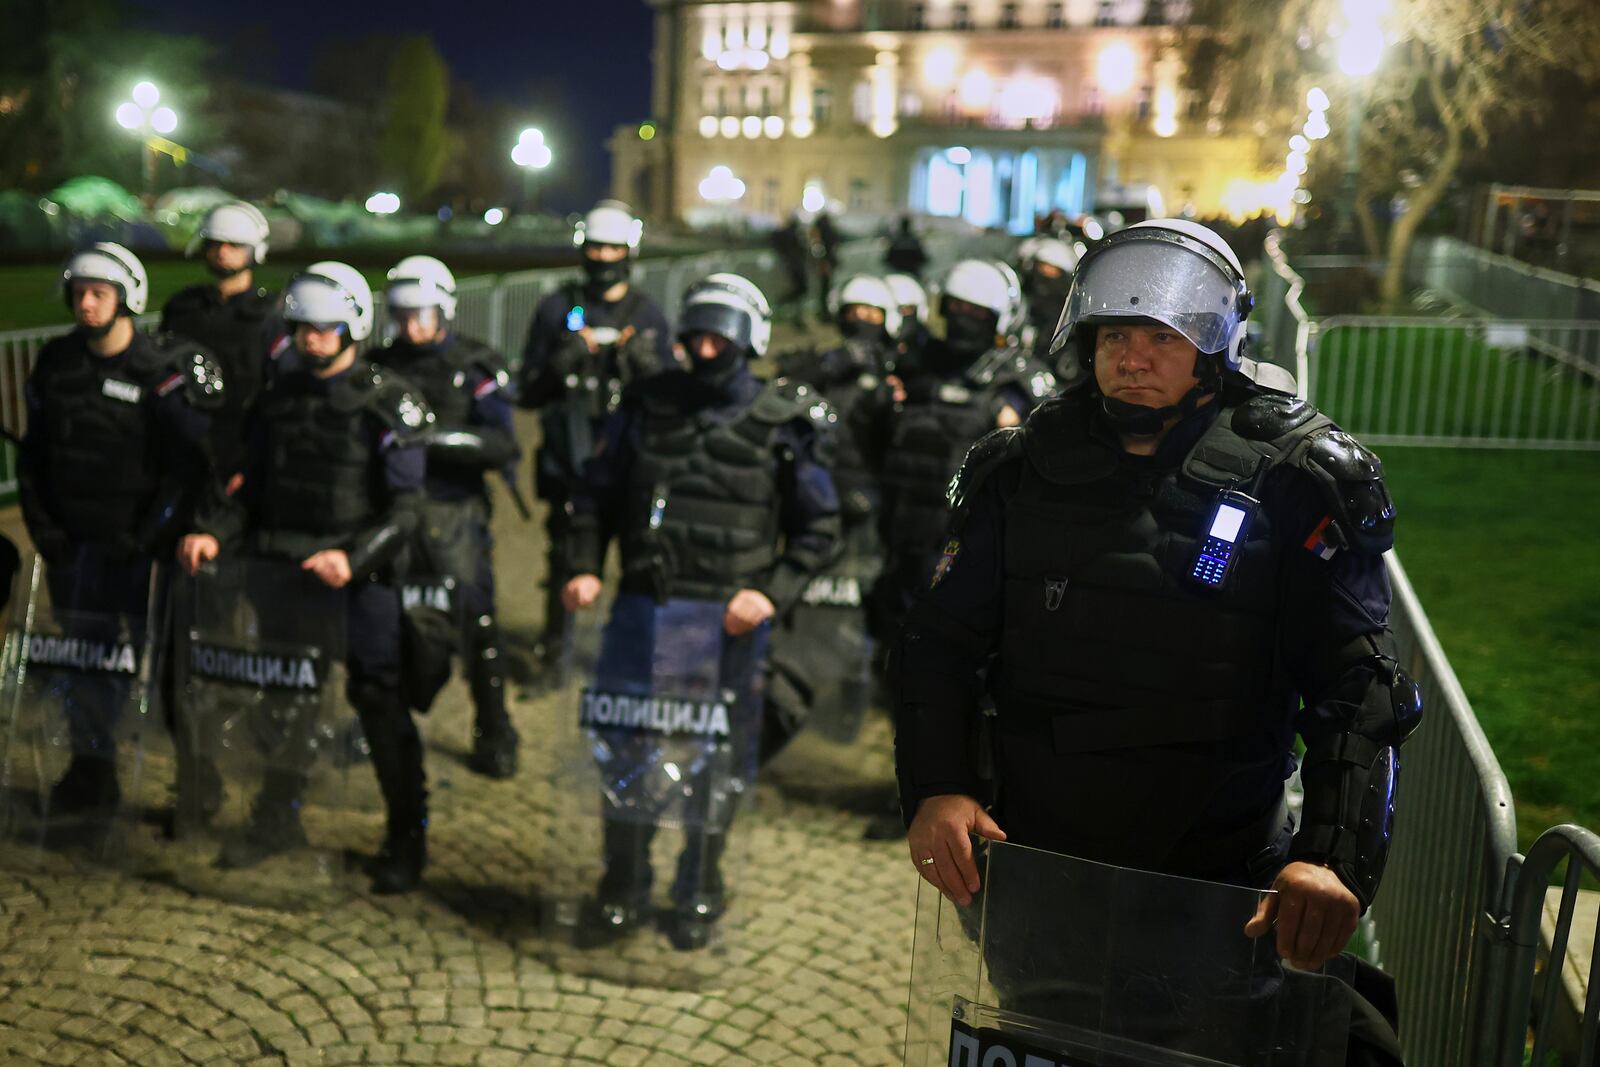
point(576, 68)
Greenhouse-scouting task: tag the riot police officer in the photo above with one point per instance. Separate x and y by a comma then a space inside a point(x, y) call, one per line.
point(231, 317)
point(852, 378)
point(960, 386)
point(912, 300)
point(466, 385)
point(1163, 575)
point(1045, 266)
point(587, 341)
point(116, 446)
point(905, 254)
point(718, 487)
point(333, 478)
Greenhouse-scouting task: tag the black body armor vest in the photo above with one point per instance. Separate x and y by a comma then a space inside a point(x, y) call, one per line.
point(104, 451)
point(702, 516)
point(1128, 695)
point(440, 374)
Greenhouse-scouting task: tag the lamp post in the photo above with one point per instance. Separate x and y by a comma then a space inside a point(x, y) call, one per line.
point(1360, 52)
point(145, 115)
point(532, 155)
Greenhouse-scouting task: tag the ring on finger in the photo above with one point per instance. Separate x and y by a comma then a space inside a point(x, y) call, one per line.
point(928, 862)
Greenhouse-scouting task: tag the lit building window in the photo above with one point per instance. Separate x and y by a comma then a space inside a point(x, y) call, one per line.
point(730, 126)
point(1027, 99)
point(861, 102)
point(910, 104)
point(751, 126)
point(708, 125)
point(821, 106)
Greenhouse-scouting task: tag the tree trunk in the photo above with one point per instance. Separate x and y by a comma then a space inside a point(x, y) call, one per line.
point(1427, 195)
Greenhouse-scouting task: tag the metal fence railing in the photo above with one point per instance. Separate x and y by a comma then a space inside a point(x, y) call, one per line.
point(1454, 840)
point(1490, 383)
point(1499, 285)
point(1459, 920)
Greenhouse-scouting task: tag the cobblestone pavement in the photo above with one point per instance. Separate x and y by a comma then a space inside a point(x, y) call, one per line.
point(168, 961)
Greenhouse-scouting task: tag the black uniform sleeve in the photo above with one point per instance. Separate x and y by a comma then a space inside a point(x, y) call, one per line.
point(404, 469)
point(32, 462)
point(938, 660)
point(597, 497)
point(808, 514)
point(539, 379)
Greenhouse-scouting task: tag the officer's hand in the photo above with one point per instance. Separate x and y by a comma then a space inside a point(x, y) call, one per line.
point(580, 592)
point(941, 830)
point(196, 549)
point(1314, 913)
point(331, 566)
point(897, 388)
point(1008, 417)
point(235, 483)
point(587, 333)
point(748, 609)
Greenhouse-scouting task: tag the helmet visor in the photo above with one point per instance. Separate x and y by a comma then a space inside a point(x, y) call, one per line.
point(1166, 277)
point(723, 320)
point(314, 299)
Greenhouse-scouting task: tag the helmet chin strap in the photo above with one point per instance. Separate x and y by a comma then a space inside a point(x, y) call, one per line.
point(1138, 420)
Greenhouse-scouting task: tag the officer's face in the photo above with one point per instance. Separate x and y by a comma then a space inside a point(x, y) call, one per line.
point(319, 342)
point(1049, 272)
point(908, 312)
point(420, 326)
point(94, 304)
point(863, 313)
point(222, 256)
point(707, 346)
point(1152, 366)
point(606, 253)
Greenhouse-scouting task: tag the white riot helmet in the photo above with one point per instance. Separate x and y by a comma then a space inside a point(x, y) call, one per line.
point(107, 262)
point(1054, 251)
point(869, 291)
point(908, 293)
point(1172, 271)
point(418, 282)
point(610, 222)
point(326, 293)
point(731, 307)
point(235, 223)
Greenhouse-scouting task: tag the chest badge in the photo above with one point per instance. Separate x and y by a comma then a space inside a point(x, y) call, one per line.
point(1055, 590)
point(126, 392)
point(947, 559)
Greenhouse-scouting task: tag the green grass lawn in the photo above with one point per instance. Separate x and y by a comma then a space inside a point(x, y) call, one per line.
point(1450, 379)
point(1502, 547)
point(29, 296)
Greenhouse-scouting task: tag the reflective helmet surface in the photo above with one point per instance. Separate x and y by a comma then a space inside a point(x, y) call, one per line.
point(330, 292)
point(236, 223)
point(870, 291)
point(111, 263)
point(1172, 271)
point(908, 292)
point(730, 306)
point(610, 222)
point(418, 282)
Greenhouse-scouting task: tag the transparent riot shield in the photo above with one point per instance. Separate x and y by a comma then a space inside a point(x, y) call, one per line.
point(1060, 961)
point(822, 653)
point(74, 704)
point(663, 739)
point(258, 644)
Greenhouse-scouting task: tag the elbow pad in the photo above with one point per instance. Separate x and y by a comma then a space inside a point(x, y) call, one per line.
point(1351, 780)
point(470, 447)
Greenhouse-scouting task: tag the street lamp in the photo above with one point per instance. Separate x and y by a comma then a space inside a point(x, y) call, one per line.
point(532, 155)
point(1360, 52)
point(148, 117)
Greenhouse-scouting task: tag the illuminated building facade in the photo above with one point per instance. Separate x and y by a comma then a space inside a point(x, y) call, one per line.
point(992, 110)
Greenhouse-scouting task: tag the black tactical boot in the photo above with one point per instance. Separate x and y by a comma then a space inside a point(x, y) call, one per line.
point(274, 827)
point(698, 894)
point(397, 761)
point(197, 795)
point(622, 899)
point(88, 787)
point(494, 739)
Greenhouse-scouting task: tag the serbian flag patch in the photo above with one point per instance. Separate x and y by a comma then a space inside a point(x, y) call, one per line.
point(485, 387)
point(1319, 544)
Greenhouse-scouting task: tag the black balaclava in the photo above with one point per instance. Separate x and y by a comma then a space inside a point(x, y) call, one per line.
point(1047, 291)
point(862, 331)
point(600, 276)
point(969, 335)
point(721, 370)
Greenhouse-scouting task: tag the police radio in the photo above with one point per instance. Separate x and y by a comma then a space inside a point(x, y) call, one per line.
point(1229, 518)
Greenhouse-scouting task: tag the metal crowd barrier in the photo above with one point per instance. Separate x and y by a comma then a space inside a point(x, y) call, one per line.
point(1499, 285)
point(1458, 921)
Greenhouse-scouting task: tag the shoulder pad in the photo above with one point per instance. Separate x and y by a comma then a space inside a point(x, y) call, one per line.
point(986, 455)
point(788, 399)
point(398, 405)
point(1350, 476)
point(192, 368)
point(1270, 416)
point(470, 352)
